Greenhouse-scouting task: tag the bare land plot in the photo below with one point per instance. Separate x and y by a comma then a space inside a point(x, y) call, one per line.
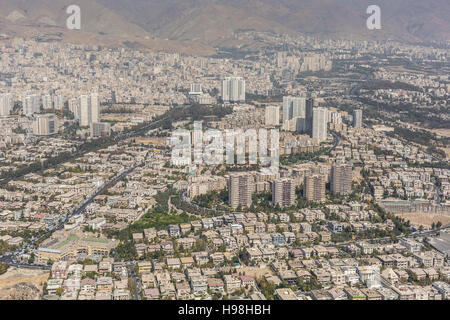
point(425, 219)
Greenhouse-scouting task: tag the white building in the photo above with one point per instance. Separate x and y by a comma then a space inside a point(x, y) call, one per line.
point(31, 104)
point(233, 90)
point(297, 114)
point(6, 104)
point(357, 118)
point(89, 110)
point(272, 117)
point(44, 125)
point(319, 127)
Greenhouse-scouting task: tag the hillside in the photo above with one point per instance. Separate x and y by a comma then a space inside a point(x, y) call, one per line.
point(213, 22)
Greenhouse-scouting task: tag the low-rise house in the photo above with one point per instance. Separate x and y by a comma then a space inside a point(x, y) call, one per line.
point(53, 285)
point(187, 261)
point(148, 280)
point(417, 274)
point(320, 294)
point(371, 294)
point(88, 285)
point(390, 276)
point(201, 258)
point(144, 267)
point(248, 281)
point(59, 270)
point(104, 283)
point(72, 284)
point(216, 285)
point(404, 292)
point(254, 254)
point(174, 230)
point(104, 267)
point(387, 293)
point(443, 288)
point(173, 263)
point(432, 274)
point(183, 290)
point(288, 276)
point(354, 294)
point(122, 294)
point(151, 294)
point(103, 295)
point(337, 294)
point(217, 258)
point(285, 294)
point(198, 284)
point(321, 275)
point(232, 283)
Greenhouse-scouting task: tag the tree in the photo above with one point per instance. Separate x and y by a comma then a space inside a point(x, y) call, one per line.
point(125, 251)
point(59, 291)
point(3, 268)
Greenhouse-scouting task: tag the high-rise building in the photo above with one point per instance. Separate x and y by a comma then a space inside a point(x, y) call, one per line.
point(233, 90)
point(196, 88)
point(58, 102)
point(240, 190)
point(357, 118)
point(89, 110)
point(47, 102)
point(272, 116)
point(31, 104)
point(6, 104)
point(283, 192)
point(85, 109)
point(100, 129)
point(314, 188)
point(341, 179)
point(320, 121)
point(296, 113)
point(293, 107)
point(95, 108)
point(44, 125)
point(75, 108)
point(309, 115)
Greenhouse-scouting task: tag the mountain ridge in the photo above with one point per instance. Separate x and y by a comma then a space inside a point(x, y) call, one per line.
point(210, 23)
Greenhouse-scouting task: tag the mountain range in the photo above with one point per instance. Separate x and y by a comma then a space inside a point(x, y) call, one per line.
point(193, 25)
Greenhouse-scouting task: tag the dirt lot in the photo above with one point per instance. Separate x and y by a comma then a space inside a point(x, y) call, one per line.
point(357, 177)
point(22, 284)
point(442, 132)
point(425, 219)
point(116, 117)
point(255, 272)
point(447, 152)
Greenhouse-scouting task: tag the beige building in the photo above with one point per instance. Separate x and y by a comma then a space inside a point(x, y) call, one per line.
point(341, 179)
point(68, 246)
point(283, 192)
point(240, 190)
point(314, 188)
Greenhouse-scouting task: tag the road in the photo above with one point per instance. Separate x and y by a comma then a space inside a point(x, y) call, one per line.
point(11, 258)
point(80, 153)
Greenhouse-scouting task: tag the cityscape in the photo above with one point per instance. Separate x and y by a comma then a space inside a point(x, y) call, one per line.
point(262, 165)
